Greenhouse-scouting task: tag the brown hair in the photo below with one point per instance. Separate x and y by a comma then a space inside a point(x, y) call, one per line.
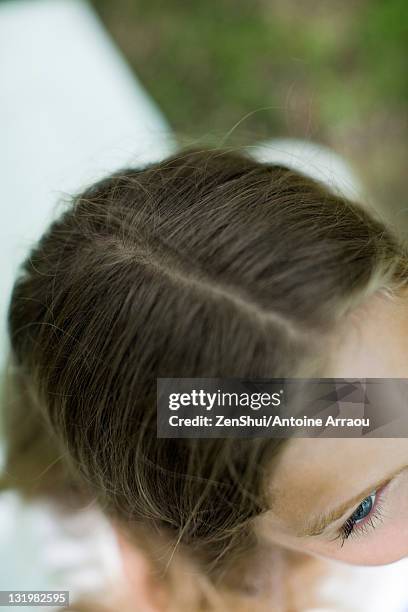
point(207, 264)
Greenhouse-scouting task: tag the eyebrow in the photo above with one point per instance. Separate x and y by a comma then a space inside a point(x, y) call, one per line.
point(318, 524)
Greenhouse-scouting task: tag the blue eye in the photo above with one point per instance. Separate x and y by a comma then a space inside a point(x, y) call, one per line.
point(364, 509)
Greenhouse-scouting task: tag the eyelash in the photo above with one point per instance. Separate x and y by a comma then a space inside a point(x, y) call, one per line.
point(353, 528)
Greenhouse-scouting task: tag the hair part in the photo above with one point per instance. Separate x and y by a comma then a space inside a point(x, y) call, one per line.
point(206, 264)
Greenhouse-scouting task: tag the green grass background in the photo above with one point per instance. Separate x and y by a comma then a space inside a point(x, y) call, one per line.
point(332, 71)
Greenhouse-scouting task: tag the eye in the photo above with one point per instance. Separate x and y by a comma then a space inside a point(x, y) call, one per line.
point(364, 514)
point(364, 509)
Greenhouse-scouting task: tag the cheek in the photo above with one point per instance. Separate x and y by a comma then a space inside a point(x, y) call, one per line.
point(388, 546)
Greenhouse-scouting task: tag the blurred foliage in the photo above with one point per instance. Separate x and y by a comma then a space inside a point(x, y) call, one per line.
point(329, 71)
point(383, 48)
point(208, 64)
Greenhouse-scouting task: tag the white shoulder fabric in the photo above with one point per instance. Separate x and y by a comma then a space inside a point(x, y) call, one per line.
point(45, 549)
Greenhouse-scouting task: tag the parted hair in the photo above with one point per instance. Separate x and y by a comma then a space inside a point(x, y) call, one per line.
point(205, 264)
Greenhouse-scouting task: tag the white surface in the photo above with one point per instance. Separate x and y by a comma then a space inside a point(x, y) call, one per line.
point(70, 112)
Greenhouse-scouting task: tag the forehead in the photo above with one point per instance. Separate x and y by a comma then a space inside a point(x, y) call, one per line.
point(373, 340)
point(316, 474)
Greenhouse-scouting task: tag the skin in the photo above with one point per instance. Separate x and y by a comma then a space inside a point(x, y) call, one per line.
point(313, 476)
point(373, 344)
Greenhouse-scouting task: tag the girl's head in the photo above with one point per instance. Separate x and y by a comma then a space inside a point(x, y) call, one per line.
point(210, 264)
